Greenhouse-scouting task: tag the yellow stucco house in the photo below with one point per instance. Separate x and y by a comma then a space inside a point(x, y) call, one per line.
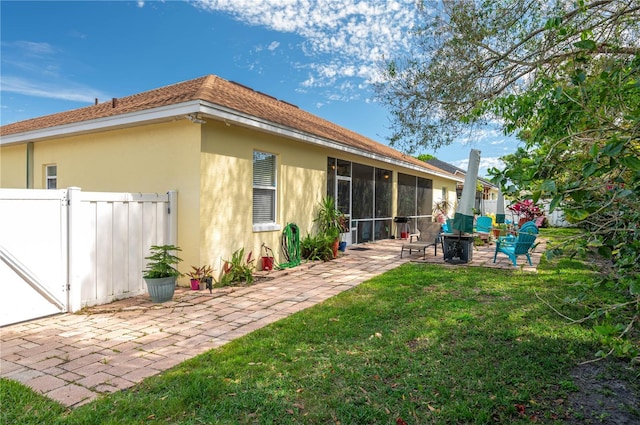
point(243, 163)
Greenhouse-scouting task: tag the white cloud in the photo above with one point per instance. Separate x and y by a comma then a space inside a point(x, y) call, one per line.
point(273, 46)
point(65, 91)
point(485, 164)
point(357, 35)
point(493, 162)
point(34, 69)
point(31, 48)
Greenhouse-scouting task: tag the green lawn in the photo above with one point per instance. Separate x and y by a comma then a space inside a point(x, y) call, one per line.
point(420, 344)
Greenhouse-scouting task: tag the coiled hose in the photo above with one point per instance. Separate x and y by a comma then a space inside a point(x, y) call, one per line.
point(290, 246)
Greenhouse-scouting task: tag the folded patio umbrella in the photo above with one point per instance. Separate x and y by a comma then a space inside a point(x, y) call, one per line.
point(463, 218)
point(500, 208)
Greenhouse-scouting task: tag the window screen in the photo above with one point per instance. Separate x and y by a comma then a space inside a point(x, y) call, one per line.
point(264, 188)
point(52, 176)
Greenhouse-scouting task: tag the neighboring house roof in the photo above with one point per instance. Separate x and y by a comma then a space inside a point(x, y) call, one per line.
point(209, 97)
point(445, 166)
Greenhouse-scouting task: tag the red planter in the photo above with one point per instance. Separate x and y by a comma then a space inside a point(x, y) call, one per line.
point(195, 285)
point(267, 263)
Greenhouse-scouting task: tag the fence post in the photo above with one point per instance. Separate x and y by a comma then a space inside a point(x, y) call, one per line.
point(172, 221)
point(74, 286)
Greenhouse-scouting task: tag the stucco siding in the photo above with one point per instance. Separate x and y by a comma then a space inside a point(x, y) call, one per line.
point(13, 167)
point(227, 190)
point(151, 158)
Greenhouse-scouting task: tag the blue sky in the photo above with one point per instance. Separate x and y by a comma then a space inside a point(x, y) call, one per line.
point(321, 55)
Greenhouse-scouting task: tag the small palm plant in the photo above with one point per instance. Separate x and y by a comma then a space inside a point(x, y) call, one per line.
point(161, 272)
point(162, 262)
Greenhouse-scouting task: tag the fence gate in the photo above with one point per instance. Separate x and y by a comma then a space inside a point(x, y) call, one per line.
point(61, 250)
point(33, 251)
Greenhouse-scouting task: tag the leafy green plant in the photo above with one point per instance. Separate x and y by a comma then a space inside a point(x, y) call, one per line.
point(330, 220)
point(238, 269)
point(162, 262)
point(316, 248)
point(200, 273)
point(441, 210)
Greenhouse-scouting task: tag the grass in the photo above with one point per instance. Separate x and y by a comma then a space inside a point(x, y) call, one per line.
point(420, 344)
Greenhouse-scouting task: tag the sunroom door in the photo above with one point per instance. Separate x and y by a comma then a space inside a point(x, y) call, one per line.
point(343, 201)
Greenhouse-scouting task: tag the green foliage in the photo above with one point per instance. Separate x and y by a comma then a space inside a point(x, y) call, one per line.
point(162, 262)
point(331, 221)
point(200, 273)
point(317, 248)
point(238, 269)
point(466, 56)
point(581, 143)
point(566, 80)
point(425, 157)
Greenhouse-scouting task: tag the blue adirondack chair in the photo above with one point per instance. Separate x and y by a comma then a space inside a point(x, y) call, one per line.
point(445, 227)
point(520, 245)
point(528, 224)
point(483, 226)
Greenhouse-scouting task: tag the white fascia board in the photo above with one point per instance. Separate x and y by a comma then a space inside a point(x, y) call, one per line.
point(180, 110)
point(122, 120)
point(233, 116)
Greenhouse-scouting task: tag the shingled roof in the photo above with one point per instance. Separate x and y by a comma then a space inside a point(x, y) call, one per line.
point(227, 94)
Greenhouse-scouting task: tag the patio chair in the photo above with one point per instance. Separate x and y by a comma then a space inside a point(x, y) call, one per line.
point(528, 227)
point(483, 226)
point(520, 245)
point(429, 235)
point(445, 227)
point(528, 224)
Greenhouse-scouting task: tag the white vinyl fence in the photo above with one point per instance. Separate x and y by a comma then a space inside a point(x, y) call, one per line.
point(556, 219)
point(62, 250)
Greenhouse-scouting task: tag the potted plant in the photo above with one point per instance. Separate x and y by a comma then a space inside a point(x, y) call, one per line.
point(441, 210)
point(161, 272)
point(194, 277)
point(206, 281)
point(499, 230)
point(198, 276)
point(330, 222)
point(526, 210)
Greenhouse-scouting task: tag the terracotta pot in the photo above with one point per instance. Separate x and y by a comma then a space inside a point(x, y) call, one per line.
point(334, 247)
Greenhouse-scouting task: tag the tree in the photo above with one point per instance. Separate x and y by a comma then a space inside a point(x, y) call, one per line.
point(425, 157)
point(470, 53)
point(564, 77)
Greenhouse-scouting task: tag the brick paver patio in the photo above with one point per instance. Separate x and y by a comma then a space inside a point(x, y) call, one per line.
point(73, 358)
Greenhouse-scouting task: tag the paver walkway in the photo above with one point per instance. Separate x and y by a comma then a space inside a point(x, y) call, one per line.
point(73, 358)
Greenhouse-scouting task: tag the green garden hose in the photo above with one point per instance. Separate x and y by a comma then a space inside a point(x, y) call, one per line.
point(290, 246)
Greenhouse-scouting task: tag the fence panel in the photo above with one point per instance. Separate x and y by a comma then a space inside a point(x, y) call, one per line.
point(61, 250)
point(121, 228)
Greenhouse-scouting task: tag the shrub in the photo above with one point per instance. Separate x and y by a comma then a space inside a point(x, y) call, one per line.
point(237, 269)
point(317, 247)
